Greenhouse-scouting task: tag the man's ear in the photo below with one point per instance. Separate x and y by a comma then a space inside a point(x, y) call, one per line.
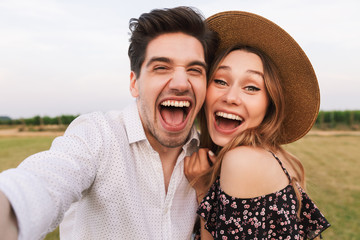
point(134, 88)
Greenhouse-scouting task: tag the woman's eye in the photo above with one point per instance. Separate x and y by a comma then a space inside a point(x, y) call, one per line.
point(220, 82)
point(252, 89)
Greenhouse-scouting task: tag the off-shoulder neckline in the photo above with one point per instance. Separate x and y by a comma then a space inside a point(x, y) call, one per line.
point(252, 198)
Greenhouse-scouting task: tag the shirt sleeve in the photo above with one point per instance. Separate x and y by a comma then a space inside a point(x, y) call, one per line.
point(45, 184)
point(312, 221)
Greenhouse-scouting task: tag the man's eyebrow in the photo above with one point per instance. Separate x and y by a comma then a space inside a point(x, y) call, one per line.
point(199, 63)
point(158, 59)
point(168, 60)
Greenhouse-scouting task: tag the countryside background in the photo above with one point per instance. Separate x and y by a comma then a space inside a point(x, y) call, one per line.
point(71, 57)
point(330, 154)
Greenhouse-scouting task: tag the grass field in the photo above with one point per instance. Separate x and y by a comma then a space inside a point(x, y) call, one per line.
point(332, 166)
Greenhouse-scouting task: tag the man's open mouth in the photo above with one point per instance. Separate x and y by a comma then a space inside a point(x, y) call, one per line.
point(227, 121)
point(173, 112)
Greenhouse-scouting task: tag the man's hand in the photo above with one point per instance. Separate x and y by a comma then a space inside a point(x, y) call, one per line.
point(8, 223)
point(197, 164)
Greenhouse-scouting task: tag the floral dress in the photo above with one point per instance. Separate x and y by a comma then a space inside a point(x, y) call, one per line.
point(271, 216)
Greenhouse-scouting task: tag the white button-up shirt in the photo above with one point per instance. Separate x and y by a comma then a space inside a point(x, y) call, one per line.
point(106, 172)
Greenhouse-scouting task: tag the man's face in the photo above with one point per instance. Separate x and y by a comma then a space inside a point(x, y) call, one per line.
point(171, 88)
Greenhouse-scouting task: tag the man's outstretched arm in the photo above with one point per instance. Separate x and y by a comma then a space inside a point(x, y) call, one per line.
point(8, 224)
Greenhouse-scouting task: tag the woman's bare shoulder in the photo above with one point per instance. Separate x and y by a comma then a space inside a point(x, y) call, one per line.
point(239, 156)
point(248, 172)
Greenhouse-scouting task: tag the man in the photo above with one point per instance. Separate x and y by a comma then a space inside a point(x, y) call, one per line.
point(121, 173)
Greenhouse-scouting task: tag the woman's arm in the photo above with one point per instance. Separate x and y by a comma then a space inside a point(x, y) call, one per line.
point(194, 166)
point(205, 235)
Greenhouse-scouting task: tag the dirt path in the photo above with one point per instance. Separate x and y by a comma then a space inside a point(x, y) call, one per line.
point(14, 132)
point(334, 133)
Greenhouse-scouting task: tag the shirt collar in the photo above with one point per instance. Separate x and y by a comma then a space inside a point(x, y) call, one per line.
point(133, 125)
point(192, 143)
point(135, 130)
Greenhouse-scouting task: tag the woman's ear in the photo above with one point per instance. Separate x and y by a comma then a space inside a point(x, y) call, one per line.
point(134, 85)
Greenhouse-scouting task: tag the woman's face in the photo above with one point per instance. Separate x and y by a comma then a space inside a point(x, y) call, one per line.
point(236, 98)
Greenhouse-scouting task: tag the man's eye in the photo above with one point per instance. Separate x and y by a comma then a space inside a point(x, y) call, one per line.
point(220, 82)
point(252, 88)
point(160, 68)
point(196, 70)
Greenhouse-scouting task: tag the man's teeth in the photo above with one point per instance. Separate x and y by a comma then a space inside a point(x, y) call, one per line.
point(172, 103)
point(229, 116)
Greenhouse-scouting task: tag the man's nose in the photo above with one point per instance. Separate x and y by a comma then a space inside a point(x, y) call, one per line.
point(179, 80)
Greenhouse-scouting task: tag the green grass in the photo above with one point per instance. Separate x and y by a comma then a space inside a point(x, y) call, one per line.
point(15, 149)
point(332, 165)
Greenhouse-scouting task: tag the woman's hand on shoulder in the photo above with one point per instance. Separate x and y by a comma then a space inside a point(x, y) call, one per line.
point(196, 165)
point(248, 172)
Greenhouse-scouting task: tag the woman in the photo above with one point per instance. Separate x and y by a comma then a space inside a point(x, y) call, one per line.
point(262, 92)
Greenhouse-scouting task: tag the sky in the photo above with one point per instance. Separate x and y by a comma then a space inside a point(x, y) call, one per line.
point(70, 56)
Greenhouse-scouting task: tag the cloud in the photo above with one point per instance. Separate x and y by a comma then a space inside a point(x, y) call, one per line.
point(71, 56)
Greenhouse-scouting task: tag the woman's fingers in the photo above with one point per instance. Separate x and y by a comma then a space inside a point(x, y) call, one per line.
point(191, 167)
point(198, 163)
point(203, 160)
point(212, 156)
point(186, 164)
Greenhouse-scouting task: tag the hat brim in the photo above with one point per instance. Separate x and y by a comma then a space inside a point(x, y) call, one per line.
point(301, 89)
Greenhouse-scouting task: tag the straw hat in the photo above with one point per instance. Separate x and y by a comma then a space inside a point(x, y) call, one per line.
point(301, 89)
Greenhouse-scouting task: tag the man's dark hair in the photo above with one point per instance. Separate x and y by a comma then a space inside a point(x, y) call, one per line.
point(169, 20)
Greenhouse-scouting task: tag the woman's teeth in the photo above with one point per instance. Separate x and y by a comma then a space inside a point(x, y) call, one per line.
point(228, 116)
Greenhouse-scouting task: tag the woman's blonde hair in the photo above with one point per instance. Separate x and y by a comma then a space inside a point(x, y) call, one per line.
point(268, 134)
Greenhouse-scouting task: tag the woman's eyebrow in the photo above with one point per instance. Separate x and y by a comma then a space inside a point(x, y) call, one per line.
point(228, 68)
point(224, 67)
point(256, 72)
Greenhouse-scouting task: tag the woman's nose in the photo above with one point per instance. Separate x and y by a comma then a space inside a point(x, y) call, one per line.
point(233, 96)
